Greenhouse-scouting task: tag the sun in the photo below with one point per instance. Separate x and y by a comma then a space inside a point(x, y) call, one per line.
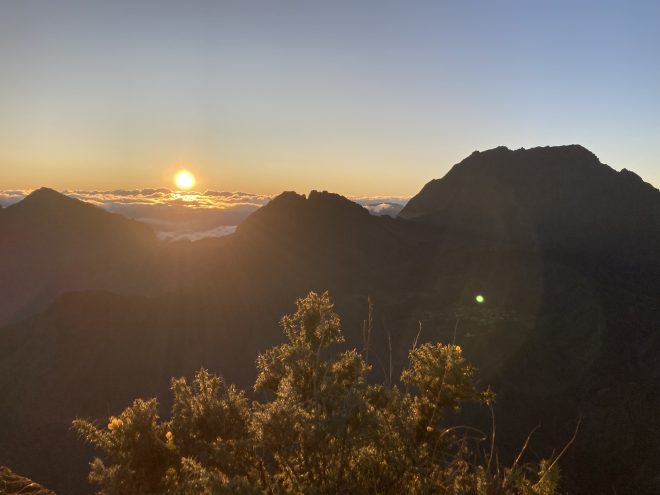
point(184, 180)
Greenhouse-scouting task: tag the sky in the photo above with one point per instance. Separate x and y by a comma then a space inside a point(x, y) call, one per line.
point(360, 98)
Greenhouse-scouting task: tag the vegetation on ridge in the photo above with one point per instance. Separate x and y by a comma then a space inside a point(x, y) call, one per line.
point(323, 430)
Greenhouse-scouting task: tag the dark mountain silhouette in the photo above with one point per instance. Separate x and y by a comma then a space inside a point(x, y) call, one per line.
point(331, 230)
point(51, 243)
point(566, 331)
point(559, 198)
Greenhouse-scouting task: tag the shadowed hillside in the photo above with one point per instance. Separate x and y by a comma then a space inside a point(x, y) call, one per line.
point(568, 328)
point(51, 243)
point(558, 198)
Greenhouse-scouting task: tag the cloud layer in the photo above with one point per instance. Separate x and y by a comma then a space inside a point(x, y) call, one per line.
point(192, 215)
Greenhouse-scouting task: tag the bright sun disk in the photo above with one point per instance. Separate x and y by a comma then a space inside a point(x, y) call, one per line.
point(184, 179)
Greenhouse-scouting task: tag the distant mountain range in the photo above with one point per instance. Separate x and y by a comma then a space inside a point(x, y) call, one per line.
point(95, 311)
point(190, 215)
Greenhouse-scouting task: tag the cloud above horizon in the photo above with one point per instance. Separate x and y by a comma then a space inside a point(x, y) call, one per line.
point(191, 215)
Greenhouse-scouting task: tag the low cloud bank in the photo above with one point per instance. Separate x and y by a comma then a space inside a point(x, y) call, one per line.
point(391, 209)
point(192, 215)
point(220, 231)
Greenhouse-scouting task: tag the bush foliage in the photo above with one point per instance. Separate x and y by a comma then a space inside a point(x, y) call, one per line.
point(323, 430)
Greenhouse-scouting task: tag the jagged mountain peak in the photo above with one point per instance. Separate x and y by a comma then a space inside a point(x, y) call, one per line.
point(315, 199)
point(546, 161)
point(320, 209)
point(550, 197)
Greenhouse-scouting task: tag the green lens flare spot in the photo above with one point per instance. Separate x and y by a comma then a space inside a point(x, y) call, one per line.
point(480, 299)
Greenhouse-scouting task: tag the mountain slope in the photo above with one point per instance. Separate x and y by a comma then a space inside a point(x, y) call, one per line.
point(549, 198)
point(51, 243)
point(563, 333)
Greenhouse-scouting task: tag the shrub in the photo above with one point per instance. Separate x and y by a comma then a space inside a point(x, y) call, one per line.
point(324, 429)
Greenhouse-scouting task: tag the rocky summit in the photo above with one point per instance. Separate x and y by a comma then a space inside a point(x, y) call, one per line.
point(554, 197)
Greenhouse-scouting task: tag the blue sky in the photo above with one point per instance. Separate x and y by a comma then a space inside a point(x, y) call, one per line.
point(361, 98)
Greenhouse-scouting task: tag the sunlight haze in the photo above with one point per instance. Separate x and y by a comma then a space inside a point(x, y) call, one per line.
point(372, 247)
point(358, 98)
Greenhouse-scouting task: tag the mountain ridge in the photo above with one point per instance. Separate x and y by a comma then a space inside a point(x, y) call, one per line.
point(560, 334)
point(53, 243)
point(559, 197)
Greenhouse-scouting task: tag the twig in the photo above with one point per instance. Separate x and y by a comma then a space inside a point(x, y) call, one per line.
point(570, 442)
point(389, 344)
point(418, 334)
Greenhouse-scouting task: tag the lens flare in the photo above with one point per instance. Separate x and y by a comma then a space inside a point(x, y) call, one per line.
point(480, 299)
